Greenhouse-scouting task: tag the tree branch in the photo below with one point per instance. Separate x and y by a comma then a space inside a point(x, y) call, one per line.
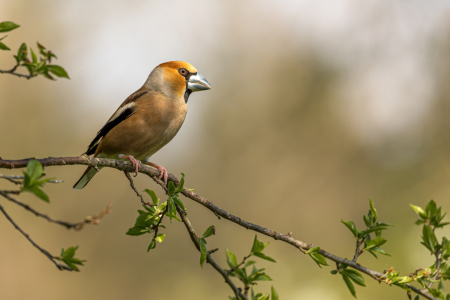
point(12, 72)
point(153, 173)
point(45, 252)
point(237, 292)
point(76, 226)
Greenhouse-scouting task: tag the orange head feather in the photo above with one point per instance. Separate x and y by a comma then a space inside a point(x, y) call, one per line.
point(174, 77)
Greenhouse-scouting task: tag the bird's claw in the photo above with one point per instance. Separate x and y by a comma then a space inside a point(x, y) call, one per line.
point(135, 162)
point(164, 174)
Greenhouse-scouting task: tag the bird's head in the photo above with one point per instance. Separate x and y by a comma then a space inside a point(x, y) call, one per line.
point(177, 79)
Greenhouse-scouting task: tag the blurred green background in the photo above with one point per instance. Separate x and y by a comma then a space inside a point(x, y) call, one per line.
point(315, 107)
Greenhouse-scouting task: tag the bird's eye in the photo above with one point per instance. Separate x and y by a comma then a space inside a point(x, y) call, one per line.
point(183, 72)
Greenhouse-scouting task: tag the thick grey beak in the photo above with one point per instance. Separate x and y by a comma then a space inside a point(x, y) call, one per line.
point(198, 83)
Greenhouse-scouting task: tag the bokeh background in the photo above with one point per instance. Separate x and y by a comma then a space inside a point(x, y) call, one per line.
point(315, 107)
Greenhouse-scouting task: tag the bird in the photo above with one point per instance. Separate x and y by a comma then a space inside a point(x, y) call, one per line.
point(148, 119)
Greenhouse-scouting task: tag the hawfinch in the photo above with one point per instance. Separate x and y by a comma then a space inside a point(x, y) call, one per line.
point(148, 119)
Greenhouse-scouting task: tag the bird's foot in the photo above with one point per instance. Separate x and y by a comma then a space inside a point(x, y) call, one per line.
point(164, 174)
point(134, 161)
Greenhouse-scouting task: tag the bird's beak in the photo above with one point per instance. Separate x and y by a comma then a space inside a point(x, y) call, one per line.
point(198, 83)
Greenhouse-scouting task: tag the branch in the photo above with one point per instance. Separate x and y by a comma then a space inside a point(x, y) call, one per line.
point(76, 226)
point(45, 252)
point(135, 190)
point(153, 173)
point(12, 72)
point(12, 177)
point(237, 292)
point(358, 251)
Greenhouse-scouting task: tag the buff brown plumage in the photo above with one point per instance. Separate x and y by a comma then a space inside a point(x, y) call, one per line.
point(148, 119)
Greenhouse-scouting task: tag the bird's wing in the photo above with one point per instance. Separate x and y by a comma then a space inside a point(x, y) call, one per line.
point(123, 112)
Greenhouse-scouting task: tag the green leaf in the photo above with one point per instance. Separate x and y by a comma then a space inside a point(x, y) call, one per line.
point(350, 285)
point(263, 256)
point(257, 245)
point(178, 202)
point(262, 277)
point(203, 251)
point(318, 258)
point(429, 238)
point(373, 210)
point(373, 229)
point(153, 196)
point(231, 259)
point(22, 52)
point(3, 46)
point(367, 221)
point(274, 293)
point(145, 220)
point(8, 26)
point(208, 232)
point(57, 70)
point(67, 256)
point(351, 226)
point(171, 186)
point(160, 237)
point(34, 170)
point(334, 272)
point(404, 279)
point(383, 224)
point(69, 253)
point(313, 249)
point(249, 263)
point(180, 186)
point(419, 211)
point(376, 242)
point(261, 297)
point(355, 276)
point(33, 55)
point(430, 209)
point(152, 245)
point(39, 193)
point(136, 231)
point(379, 250)
point(171, 210)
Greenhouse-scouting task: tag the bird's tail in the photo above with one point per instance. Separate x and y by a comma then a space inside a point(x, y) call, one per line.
point(85, 178)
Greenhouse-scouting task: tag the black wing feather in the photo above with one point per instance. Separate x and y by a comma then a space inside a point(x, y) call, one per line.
point(110, 125)
point(107, 127)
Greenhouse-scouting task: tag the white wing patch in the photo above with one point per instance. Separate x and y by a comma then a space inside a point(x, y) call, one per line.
point(121, 110)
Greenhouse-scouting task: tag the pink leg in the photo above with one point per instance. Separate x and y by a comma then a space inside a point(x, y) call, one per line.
point(134, 161)
point(163, 171)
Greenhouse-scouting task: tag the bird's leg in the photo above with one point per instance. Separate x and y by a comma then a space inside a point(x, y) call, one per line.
point(163, 171)
point(134, 161)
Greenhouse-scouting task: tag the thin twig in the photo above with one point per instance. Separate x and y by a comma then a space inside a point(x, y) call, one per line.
point(209, 259)
point(12, 177)
point(45, 252)
point(156, 227)
point(135, 190)
point(12, 72)
point(14, 192)
point(128, 166)
point(235, 268)
point(358, 251)
point(76, 226)
point(438, 266)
